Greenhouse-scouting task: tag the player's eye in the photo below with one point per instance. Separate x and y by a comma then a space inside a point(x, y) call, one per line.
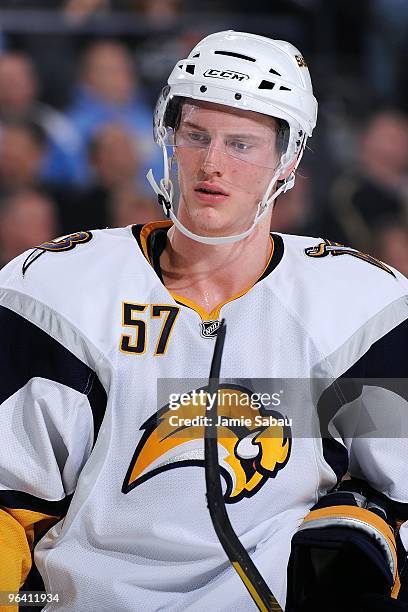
point(239, 146)
point(198, 138)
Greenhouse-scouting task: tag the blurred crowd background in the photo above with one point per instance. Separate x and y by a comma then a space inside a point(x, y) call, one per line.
point(78, 84)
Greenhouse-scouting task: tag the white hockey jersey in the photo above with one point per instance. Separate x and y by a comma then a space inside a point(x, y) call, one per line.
point(95, 351)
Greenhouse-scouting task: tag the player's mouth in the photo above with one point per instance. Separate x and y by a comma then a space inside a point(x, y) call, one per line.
point(210, 192)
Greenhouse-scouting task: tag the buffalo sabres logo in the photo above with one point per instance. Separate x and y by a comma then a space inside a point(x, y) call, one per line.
point(249, 455)
point(334, 248)
point(58, 245)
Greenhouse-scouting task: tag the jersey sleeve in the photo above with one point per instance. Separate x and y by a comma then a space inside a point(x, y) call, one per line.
point(368, 411)
point(51, 407)
point(374, 423)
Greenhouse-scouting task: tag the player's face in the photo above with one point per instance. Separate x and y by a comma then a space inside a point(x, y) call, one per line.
point(226, 158)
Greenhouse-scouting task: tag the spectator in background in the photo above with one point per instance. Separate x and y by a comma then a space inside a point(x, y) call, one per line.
point(115, 196)
point(391, 245)
point(115, 159)
point(386, 41)
point(19, 90)
point(18, 85)
point(22, 150)
point(384, 151)
point(374, 190)
point(161, 12)
point(292, 211)
point(130, 208)
point(27, 218)
point(108, 92)
point(77, 11)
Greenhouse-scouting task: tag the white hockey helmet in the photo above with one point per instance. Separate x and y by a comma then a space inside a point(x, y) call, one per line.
point(248, 72)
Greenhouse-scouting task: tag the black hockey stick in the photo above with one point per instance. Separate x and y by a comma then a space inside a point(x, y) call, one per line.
point(236, 553)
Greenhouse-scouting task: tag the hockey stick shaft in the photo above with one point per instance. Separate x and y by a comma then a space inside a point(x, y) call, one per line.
point(236, 552)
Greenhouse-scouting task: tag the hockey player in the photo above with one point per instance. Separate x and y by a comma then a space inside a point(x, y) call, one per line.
point(106, 341)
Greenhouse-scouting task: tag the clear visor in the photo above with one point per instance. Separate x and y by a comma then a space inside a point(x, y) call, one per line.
point(257, 147)
point(229, 148)
point(233, 165)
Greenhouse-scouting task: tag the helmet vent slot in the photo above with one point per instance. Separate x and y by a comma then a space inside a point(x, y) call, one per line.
point(272, 71)
point(238, 55)
point(190, 68)
point(196, 55)
point(266, 85)
point(283, 88)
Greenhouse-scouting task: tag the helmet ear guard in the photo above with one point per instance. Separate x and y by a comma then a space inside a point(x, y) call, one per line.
point(248, 72)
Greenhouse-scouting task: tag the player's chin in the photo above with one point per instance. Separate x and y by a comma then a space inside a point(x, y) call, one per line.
point(215, 225)
point(210, 216)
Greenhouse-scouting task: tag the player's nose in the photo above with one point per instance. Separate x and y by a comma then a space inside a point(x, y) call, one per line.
point(213, 161)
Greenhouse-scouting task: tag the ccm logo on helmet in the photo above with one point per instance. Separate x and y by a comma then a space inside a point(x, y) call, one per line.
point(216, 73)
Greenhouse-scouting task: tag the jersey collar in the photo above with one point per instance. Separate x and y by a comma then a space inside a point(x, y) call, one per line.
point(152, 239)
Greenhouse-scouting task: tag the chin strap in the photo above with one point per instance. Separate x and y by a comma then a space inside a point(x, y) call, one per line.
point(164, 191)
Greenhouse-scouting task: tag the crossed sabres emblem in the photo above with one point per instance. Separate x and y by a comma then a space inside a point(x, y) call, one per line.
point(249, 455)
point(58, 245)
point(335, 248)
